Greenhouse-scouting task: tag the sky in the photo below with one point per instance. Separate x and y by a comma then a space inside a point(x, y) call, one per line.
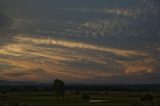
point(80, 41)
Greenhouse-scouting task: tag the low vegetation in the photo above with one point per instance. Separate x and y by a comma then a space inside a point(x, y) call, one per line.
point(60, 95)
point(72, 99)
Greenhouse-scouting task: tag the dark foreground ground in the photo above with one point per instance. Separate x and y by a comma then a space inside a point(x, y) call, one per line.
point(75, 99)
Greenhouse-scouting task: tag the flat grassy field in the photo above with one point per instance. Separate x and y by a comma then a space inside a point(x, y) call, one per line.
point(71, 99)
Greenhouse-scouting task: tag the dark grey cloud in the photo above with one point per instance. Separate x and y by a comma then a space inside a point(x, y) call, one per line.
point(90, 18)
point(152, 78)
point(23, 73)
point(5, 20)
point(5, 24)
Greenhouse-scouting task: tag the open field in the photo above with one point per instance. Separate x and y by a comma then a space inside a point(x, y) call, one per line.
point(72, 99)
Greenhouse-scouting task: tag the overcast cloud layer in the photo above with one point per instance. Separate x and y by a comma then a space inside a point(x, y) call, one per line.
point(87, 41)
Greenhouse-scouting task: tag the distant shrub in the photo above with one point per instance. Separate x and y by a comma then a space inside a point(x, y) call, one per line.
point(147, 97)
point(85, 96)
point(77, 93)
point(4, 92)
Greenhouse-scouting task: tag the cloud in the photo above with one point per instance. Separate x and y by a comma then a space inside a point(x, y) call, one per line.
point(146, 78)
point(25, 75)
point(124, 18)
point(146, 65)
point(4, 18)
point(49, 69)
point(71, 44)
point(70, 60)
point(56, 54)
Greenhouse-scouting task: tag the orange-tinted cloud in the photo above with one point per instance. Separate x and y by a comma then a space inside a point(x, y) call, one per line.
point(80, 45)
point(146, 65)
point(27, 56)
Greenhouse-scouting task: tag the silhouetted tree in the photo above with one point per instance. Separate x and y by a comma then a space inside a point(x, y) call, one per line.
point(58, 87)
